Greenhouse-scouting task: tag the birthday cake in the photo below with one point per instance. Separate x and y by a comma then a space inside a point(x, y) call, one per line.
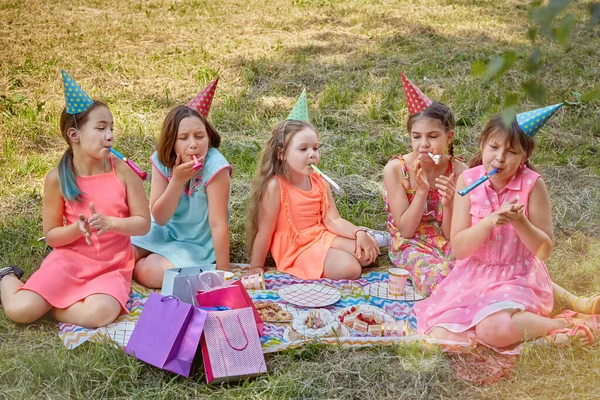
point(316, 323)
point(367, 319)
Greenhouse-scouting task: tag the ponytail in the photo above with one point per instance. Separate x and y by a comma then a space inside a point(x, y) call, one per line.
point(66, 177)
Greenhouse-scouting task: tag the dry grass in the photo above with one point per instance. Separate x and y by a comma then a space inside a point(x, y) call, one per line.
point(144, 57)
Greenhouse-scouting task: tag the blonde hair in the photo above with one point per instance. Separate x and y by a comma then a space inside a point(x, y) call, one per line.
point(270, 164)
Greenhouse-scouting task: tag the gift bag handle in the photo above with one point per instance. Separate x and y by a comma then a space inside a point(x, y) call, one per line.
point(194, 300)
point(170, 297)
point(226, 338)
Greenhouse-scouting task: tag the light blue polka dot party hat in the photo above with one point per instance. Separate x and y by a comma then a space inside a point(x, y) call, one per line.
point(300, 110)
point(77, 100)
point(530, 122)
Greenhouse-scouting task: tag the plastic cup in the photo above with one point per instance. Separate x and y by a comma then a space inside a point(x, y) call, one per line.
point(253, 282)
point(397, 281)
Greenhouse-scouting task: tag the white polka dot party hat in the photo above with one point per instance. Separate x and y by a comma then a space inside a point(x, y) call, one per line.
point(415, 99)
point(300, 110)
point(203, 100)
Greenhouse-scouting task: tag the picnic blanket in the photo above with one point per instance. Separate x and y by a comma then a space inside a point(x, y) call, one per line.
point(353, 293)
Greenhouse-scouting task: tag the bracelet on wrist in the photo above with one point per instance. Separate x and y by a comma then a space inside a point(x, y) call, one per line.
point(365, 230)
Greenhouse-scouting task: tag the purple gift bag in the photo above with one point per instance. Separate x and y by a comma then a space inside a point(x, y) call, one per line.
point(167, 334)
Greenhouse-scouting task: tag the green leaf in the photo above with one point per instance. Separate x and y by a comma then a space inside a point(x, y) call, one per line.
point(511, 99)
point(594, 13)
point(564, 29)
point(510, 58)
point(533, 62)
point(593, 94)
point(535, 91)
point(493, 67)
point(478, 67)
point(544, 16)
point(508, 115)
point(17, 98)
point(532, 33)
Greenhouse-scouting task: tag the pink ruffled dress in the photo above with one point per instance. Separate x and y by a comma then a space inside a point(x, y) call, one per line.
point(502, 274)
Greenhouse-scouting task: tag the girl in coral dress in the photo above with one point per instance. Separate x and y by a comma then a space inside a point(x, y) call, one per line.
point(499, 291)
point(93, 203)
point(292, 212)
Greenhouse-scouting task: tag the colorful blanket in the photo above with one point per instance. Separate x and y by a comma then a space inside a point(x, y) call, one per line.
point(353, 293)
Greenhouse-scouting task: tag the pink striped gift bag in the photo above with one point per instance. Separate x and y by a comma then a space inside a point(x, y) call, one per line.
point(231, 348)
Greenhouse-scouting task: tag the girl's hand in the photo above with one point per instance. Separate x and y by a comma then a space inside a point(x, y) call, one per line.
point(99, 222)
point(85, 229)
point(254, 271)
point(365, 248)
point(508, 213)
point(446, 186)
point(417, 171)
point(183, 172)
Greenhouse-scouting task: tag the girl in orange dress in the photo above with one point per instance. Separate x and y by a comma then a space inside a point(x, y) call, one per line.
point(293, 215)
point(93, 203)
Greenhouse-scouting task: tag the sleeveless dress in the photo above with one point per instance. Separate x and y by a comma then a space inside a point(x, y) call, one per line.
point(186, 240)
point(300, 241)
point(502, 274)
point(427, 255)
point(72, 272)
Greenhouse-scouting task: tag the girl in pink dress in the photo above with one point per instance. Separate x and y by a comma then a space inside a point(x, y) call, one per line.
point(93, 203)
point(499, 291)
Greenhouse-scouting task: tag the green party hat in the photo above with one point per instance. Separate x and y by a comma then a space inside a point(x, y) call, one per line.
point(77, 100)
point(530, 122)
point(300, 110)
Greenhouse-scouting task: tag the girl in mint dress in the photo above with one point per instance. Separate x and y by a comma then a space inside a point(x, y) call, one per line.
point(189, 200)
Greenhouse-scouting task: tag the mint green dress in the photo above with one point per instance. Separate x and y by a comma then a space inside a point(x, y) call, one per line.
point(186, 240)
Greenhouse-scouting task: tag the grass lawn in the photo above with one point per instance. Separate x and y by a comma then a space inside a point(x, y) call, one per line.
point(145, 57)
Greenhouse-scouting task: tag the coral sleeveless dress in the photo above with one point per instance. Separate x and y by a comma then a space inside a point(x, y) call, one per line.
point(75, 271)
point(300, 242)
point(502, 274)
point(427, 254)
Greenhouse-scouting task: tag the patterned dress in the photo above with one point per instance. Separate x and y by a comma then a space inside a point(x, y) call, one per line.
point(426, 255)
point(502, 274)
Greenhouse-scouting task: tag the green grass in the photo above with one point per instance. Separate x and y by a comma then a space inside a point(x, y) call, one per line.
point(143, 58)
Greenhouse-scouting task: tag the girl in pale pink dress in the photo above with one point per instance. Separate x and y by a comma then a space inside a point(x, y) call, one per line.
point(499, 291)
point(93, 203)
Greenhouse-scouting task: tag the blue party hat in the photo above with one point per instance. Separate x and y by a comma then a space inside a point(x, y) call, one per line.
point(77, 100)
point(530, 122)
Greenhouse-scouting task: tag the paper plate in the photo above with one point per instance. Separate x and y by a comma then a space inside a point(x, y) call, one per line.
point(380, 289)
point(310, 295)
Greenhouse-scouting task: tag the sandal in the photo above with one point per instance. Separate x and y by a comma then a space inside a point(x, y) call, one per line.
point(572, 332)
point(569, 315)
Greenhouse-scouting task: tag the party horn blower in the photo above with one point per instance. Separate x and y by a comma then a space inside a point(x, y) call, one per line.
point(131, 164)
point(197, 165)
point(477, 182)
point(336, 188)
